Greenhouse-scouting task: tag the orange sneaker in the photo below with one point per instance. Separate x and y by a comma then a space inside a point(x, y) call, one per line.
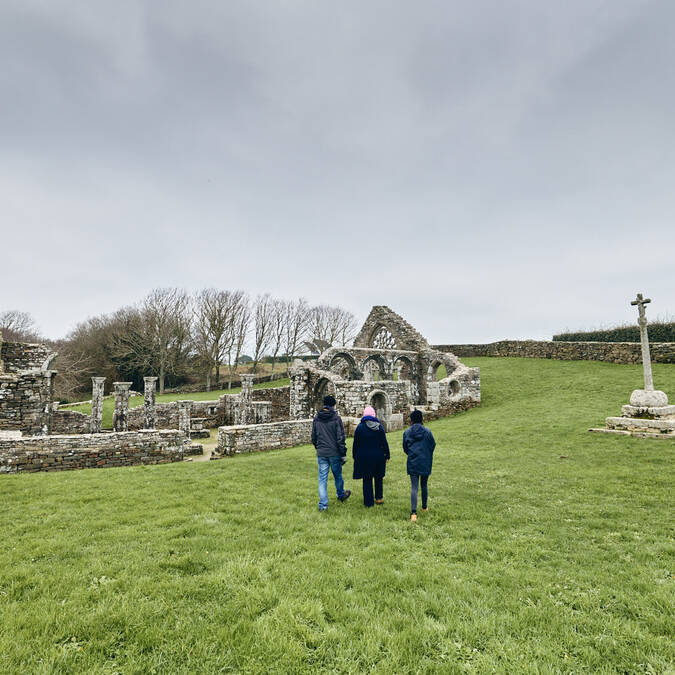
point(379, 501)
point(425, 510)
point(413, 517)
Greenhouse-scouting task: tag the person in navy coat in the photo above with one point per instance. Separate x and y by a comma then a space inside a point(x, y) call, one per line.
point(371, 454)
point(418, 444)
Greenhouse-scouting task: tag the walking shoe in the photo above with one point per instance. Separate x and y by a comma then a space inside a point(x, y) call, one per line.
point(413, 517)
point(345, 496)
point(425, 509)
point(379, 501)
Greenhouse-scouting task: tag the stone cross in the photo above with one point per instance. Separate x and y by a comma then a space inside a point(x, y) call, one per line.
point(644, 339)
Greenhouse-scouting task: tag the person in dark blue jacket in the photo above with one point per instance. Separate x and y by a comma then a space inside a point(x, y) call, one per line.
point(418, 444)
point(371, 454)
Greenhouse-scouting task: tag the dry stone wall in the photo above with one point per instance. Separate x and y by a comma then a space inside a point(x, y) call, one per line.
point(280, 400)
point(613, 352)
point(25, 402)
point(70, 422)
point(253, 438)
point(61, 453)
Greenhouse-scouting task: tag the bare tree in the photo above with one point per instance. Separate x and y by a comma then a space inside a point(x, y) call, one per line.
point(241, 324)
point(330, 326)
point(166, 317)
point(17, 326)
point(296, 317)
point(277, 323)
point(263, 320)
point(214, 328)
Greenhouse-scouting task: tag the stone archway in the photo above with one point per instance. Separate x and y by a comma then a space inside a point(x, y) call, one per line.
point(344, 365)
point(404, 368)
point(380, 401)
point(322, 388)
point(374, 368)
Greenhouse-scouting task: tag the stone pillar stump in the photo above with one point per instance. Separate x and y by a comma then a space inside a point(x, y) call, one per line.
point(97, 390)
point(149, 402)
point(121, 414)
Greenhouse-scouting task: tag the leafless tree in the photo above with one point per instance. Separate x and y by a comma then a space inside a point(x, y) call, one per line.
point(296, 316)
point(330, 326)
point(214, 328)
point(167, 319)
point(17, 326)
point(241, 325)
point(277, 323)
point(263, 324)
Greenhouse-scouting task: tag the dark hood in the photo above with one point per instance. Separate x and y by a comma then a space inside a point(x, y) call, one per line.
point(416, 431)
point(326, 414)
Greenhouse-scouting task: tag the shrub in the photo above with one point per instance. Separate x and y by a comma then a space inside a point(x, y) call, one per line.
point(659, 331)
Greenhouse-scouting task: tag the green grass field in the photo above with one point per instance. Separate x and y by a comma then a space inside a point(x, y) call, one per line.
point(546, 549)
point(134, 401)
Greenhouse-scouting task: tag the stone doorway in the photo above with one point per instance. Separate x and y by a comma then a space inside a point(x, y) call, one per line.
point(380, 401)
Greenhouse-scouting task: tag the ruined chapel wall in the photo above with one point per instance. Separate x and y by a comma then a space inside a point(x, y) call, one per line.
point(20, 356)
point(25, 402)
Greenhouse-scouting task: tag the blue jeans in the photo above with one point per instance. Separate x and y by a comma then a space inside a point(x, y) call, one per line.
point(333, 464)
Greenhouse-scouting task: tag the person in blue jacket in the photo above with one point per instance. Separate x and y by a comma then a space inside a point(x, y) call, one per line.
point(371, 454)
point(418, 444)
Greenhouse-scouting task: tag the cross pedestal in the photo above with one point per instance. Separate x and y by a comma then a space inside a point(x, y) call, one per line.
point(648, 414)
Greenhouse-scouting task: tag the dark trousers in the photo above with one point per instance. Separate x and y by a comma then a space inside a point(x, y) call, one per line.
point(414, 484)
point(368, 499)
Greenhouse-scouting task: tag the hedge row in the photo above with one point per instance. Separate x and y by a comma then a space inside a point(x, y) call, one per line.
point(658, 332)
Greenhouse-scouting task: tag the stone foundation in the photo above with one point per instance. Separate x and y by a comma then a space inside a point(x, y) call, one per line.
point(61, 453)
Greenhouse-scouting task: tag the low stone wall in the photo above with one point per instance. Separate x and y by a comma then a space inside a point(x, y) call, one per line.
point(253, 438)
point(61, 453)
point(613, 352)
point(279, 397)
point(70, 422)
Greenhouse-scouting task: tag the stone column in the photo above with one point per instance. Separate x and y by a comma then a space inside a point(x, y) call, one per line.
point(2, 365)
point(97, 388)
point(121, 414)
point(149, 402)
point(246, 414)
point(184, 409)
point(247, 387)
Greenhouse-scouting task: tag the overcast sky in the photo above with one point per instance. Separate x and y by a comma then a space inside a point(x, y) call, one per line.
point(489, 170)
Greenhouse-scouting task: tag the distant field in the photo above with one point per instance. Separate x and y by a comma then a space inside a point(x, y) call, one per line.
point(546, 549)
point(109, 404)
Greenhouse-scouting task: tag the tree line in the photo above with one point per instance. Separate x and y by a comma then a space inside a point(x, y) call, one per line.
point(181, 337)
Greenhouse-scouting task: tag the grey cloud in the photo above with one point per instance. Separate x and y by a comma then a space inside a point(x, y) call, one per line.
point(489, 169)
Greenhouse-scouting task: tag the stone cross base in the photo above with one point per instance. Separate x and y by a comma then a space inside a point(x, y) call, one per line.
point(645, 422)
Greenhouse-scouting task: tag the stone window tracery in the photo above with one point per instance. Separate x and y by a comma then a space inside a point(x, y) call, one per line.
point(383, 339)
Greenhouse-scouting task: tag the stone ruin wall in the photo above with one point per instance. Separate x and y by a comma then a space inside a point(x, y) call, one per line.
point(70, 422)
point(61, 453)
point(20, 356)
point(25, 402)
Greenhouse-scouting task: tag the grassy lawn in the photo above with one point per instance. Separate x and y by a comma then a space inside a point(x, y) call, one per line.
point(546, 549)
point(109, 403)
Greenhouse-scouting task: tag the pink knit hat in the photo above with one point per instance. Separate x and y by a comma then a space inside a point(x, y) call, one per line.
point(369, 410)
